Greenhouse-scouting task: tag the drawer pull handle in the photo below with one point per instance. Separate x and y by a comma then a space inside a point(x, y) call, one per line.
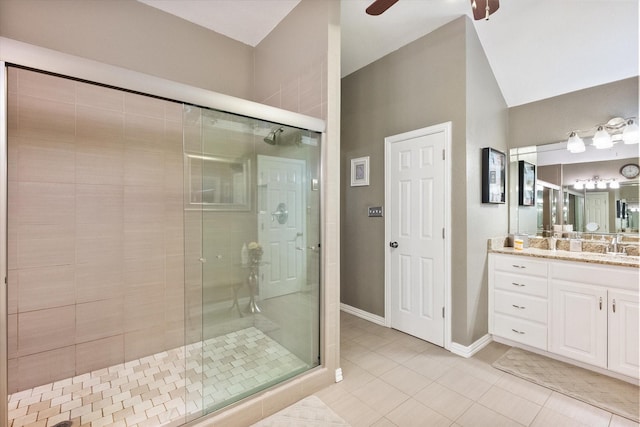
point(519, 307)
point(518, 284)
point(518, 332)
point(518, 266)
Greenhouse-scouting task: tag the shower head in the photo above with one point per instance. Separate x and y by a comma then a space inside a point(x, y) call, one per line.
point(272, 136)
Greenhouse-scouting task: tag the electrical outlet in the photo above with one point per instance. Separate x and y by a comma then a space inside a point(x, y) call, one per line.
point(375, 210)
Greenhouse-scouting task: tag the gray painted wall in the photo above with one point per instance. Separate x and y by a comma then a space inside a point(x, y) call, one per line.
point(132, 35)
point(441, 77)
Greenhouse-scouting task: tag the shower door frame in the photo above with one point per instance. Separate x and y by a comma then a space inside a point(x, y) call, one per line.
point(34, 57)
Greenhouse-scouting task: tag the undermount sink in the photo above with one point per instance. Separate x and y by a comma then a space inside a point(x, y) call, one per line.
point(616, 253)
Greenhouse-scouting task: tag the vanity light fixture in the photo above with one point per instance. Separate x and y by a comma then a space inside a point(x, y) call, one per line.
point(602, 139)
point(596, 182)
point(575, 144)
point(615, 130)
point(630, 132)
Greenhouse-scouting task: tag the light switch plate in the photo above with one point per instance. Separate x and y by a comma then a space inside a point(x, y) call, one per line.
point(375, 211)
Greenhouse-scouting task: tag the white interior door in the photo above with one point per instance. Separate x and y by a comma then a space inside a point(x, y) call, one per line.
point(596, 207)
point(281, 225)
point(415, 226)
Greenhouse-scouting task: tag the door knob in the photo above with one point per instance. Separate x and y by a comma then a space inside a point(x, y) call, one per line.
point(393, 244)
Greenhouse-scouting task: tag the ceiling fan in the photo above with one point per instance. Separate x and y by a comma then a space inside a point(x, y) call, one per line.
point(481, 8)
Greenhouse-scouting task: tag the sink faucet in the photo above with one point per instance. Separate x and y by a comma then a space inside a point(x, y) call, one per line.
point(615, 242)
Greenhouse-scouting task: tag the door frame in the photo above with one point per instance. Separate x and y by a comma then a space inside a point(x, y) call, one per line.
point(446, 129)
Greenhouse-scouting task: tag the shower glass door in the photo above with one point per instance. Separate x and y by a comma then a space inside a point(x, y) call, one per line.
point(252, 233)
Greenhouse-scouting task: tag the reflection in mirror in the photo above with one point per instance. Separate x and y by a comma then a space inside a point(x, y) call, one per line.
point(576, 192)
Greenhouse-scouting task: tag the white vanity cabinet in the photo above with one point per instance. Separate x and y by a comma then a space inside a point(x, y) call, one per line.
point(583, 311)
point(518, 299)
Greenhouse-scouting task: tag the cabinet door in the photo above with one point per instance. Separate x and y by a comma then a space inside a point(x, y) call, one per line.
point(578, 326)
point(624, 332)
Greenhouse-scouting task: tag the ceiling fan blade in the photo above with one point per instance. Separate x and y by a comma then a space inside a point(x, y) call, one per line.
point(479, 8)
point(379, 6)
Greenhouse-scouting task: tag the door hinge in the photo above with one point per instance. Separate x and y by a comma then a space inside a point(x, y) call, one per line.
point(443, 154)
point(443, 312)
point(443, 232)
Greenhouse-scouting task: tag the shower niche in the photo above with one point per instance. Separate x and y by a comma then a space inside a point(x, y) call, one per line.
point(128, 282)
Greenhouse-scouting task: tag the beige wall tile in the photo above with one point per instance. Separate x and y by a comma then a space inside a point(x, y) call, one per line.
point(46, 287)
point(99, 319)
point(99, 125)
point(290, 95)
point(45, 245)
point(45, 203)
point(99, 162)
point(12, 335)
point(44, 86)
point(43, 119)
point(48, 161)
point(44, 330)
point(143, 167)
point(12, 291)
point(12, 381)
point(143, 132)
point(99, 354)
point(173, 111)
point(43, 368)
point(143, 342)
point(143, 244)
point(144, 308)
point(142, 273)
point(144, 206)
point(145, 105)
point(99, 204)
point(99, 280)
point(91, 95)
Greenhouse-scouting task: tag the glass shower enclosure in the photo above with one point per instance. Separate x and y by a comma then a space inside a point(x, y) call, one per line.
point(251, 206)
point(163, 258)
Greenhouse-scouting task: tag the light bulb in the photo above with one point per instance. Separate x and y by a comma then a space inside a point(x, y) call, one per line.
point(630, 133)
point(601, 185)
point(575, 144)
point(602, 139)
point(579, 185)
point(590, 185)
point(614, 184)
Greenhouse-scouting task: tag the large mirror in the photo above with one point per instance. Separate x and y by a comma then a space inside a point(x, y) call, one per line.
point(565, 201)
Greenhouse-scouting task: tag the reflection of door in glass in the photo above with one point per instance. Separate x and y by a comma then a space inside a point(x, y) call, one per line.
point(281, 225)
point(596, 209)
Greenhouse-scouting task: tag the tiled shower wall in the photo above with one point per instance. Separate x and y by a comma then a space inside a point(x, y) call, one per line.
point(95, 233)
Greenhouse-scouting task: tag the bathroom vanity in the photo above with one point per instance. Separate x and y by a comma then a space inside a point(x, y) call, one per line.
point(579, 307)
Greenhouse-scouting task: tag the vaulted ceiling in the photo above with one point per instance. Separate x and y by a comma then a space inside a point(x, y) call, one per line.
point(536, 48)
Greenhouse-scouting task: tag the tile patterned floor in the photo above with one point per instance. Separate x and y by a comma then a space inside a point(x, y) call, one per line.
point(167, 388)
point(393, 379)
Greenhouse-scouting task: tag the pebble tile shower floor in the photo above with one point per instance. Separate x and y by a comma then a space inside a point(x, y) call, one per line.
point(166, 388)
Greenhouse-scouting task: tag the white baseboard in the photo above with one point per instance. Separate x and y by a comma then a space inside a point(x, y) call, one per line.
point(363, 314)
point(468, 351)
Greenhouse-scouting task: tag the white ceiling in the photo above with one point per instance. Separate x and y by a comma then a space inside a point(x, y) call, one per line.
point(536, 48)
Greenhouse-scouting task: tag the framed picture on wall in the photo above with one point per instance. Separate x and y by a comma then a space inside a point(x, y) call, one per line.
point(360, 171)
point(493, 176)
point(526, 183)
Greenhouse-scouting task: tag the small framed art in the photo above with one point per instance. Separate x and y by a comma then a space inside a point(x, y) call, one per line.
point(360, 171)
point(493, 176)
point(526, 183)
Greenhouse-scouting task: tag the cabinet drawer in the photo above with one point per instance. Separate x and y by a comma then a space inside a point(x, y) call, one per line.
point(522, 306)
point(520, 283)
point(521, 265)
point(521, 331)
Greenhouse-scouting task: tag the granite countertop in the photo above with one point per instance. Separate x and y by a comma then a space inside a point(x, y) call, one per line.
point(589, 257)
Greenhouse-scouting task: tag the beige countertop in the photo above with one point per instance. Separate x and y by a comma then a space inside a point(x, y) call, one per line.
point(589, 257)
